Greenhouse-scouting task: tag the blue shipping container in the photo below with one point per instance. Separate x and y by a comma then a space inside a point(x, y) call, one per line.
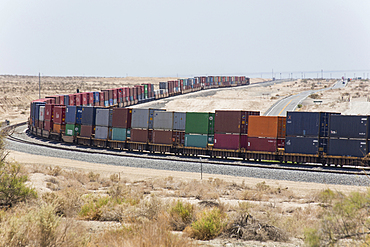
point(71, 111)
point(349, 126)
point(96, 97)
point(88, 115)
point(347, 147)
point(305, 145)
point(309, 124)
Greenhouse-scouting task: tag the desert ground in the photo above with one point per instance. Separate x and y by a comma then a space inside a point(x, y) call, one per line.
point(17, 91)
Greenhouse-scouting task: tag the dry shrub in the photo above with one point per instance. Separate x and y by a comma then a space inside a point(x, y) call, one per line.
point(54, 171)
point(39, 226)
point(181, 215)
point(154, 233)
point(74, 176)
point(150, 207)
point(68, 201)
point(92, 186)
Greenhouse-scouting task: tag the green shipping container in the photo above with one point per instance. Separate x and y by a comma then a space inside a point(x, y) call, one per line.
point(119, 134)
point(73, 130)
point(200, 123)
point(146, 89)
point(200, 141)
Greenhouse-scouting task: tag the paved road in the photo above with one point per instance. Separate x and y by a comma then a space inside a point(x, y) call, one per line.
point(290, 103)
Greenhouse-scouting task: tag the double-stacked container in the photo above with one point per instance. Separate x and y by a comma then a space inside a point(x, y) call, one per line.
point(41, 118)
point(199, 129)
point(59, 119)
point(73, 120)
point(266, 133)
point(231, 129)
point(348, 141)
point(142, 125)
point(307, 132)
point(49, 115)
point(88, 116)
point(103, 123)
point(121, 124)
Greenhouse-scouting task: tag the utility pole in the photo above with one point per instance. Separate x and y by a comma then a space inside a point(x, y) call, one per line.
point(322, 74)
point(39, 86)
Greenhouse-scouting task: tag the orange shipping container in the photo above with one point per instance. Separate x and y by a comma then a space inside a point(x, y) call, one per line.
point(58, 128)
point(266, 126)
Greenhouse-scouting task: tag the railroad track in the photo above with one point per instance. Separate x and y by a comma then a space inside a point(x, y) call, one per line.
point(193, 159)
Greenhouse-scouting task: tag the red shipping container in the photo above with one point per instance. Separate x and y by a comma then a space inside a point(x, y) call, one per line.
point(48, 125)
point(72, 99)
point(227, 141)
point(85, 99)
point(265, 144)
point(61, 99)
point(78, 99)
point(59, 115)
point(101, 98)
point(87, 131)
point(162, 136)
point(121, 118)
point(178, 137)
point(91, 98)
point(115, 93)
point(49, 112)
point(139, 135)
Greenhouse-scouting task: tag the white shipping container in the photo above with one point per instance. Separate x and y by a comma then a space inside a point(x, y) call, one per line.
point(42, 113)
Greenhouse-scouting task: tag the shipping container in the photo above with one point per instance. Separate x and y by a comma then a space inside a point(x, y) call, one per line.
point(200, 123)
point(197, 140)
point(305, 145)
point(139, 135)
point(48, 125)
point(87, 131)
point(179, 120)
point(162, 136)
point(66, 100)
point(178, 137)
point(245, 118)
point(227, 141)
point(91, 99)
point(88, 115)
point(73, 129)
point(121, 118)
point(347, 147)
point(49, 112)
point(59, 115)
point(41, 113)
point(265, 144)
point(103, 132)
point(85, 99)
point(349, 126)
point(78, 99)
point(102, 98)
point(163, 120)
point(143, 118)
point(71, 114)
point(119, 134)
point(40, 124)
point(227, 121)
point(104, 117)
point(311, 124)
point(59, 128)
point(266, 126)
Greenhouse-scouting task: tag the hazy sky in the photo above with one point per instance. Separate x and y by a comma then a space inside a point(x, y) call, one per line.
point(184, 38)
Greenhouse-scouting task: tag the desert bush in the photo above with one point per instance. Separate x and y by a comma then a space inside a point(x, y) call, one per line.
point(12, 185)
point(68, 201)
point(181, 215)
point(315, 96)
point(209, 224)
point(345, 218)
point(92, 209)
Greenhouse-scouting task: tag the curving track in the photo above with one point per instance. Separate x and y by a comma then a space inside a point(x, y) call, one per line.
point(19, 140)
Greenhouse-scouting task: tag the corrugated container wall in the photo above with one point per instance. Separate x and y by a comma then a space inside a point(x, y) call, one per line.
point(104, 117)
point(139, 135)
point(200, 123)
point(347, 147)
point(87, 131)
point(163, 120)
point(102, 132)
point(266, 126)
point(71, 114)
point(227, 121)
point(121, 118)
point(42, 113)
point(162, 136)
point(227, 141)
point(88, 115)
point(119, 134)
point(265, 144)
point(179, 120)
point(201, 141)
point(60, 114)
point(305, 145)
point(349, 126)
point(140, 118)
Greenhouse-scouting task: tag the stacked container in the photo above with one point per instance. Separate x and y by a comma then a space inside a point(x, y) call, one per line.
point(162, 127)
point(41, 117)
point(73, 120)
point(266, 133)
point(121, 124)
point(88, 115)
point(307, 132)
point(103, 123)
point(199, 129)
point(49, 114)
point(345, 141)
point(59, 119)
point(142, 125)
point(231, 129)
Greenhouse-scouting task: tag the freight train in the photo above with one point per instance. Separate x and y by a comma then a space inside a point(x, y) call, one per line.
point(103, 119)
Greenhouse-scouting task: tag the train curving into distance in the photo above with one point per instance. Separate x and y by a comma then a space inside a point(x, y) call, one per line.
point(104, 119)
